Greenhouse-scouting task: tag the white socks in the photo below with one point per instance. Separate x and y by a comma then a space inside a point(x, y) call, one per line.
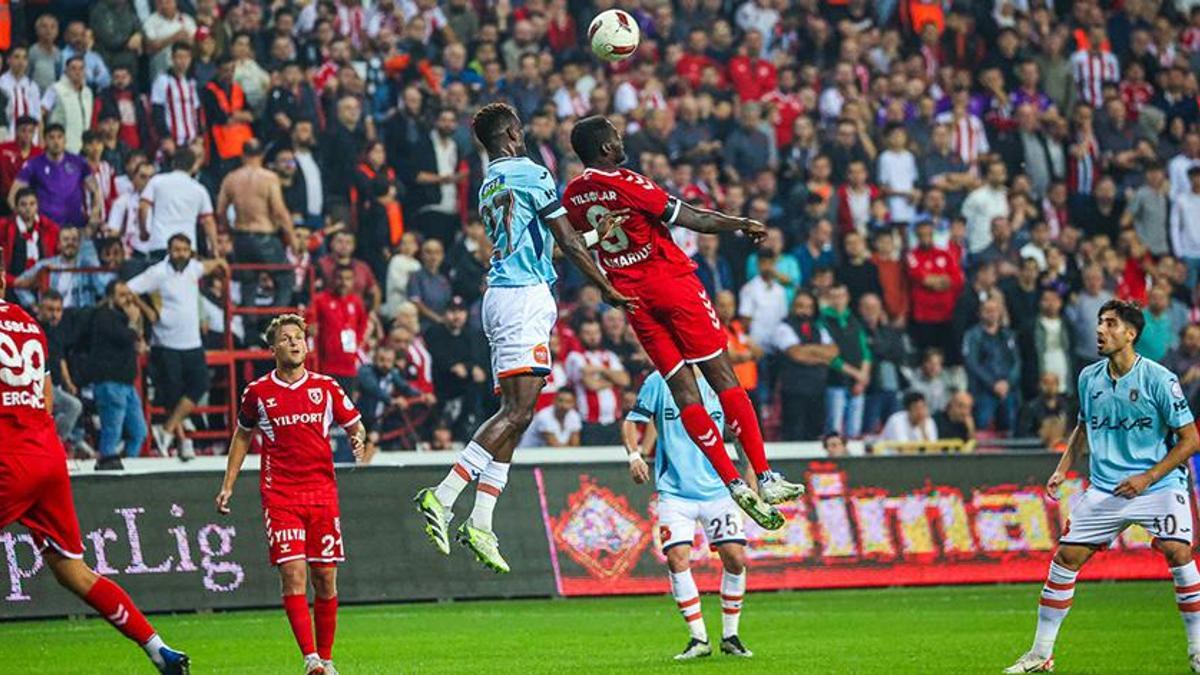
point(687, 596)
point(152, 646)
point(471, 463)
point(733, 589)
point(1187, 596)
point(491, 484)
point(1057, 595)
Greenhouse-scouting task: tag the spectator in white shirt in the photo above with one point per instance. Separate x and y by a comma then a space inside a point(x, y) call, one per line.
point(164, 28)
point(1185, 226)
point(986, 203)
point(763, 302)
point(123, 216)
point(172, 203)
point(898, 177)
point(555, 426)
point(911, 425)
point(1177, 168)
point(177, 357)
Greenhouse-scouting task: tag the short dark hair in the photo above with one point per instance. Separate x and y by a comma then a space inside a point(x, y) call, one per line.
point(589, 135)
point(1127, 313)
point(179, 236)
point(183, 159)
point(25, 192)
point(26, 120)
point(911, 397)
point(55, 126)
point(343, 268)
point(90, 136)
point(491, 122)
point(181, 47)
point(51, 294)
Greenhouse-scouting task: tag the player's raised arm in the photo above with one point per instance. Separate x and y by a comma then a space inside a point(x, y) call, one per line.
point(573, 247)
point(708, 221)
point(238, 447)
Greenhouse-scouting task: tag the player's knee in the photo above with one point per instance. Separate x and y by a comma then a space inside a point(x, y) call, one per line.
point(71, 573)
point(1071, 557)
point(518, 416)
point(293, 577)
point(733, 559)
point(1176, 554)
point(679, 559)
point(324, 580)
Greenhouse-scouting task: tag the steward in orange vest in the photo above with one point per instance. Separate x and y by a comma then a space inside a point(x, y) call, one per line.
point(225, 113)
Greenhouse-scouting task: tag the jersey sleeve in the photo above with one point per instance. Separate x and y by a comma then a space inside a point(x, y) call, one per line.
point(545, 195)
point(148, 281)
point(645, 195)
point(248, 410)
point(649, 399)
point(344, 412)
point(1171, 402)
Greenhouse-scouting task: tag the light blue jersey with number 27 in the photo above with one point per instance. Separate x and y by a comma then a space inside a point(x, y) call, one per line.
point(1131, 422)
point(680, 468)
point(516, 199)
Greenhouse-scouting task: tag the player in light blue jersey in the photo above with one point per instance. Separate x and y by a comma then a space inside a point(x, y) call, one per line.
point(1135, 421)
point(519, 206)
point(689, 490)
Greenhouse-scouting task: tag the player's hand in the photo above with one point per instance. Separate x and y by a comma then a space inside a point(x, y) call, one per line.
point(753, 229)
point(1133, 486)
point(609, 221)
point(223, 498)
point(358, 447)
point(617, 299)
point(1053, 483)
point(638, 469)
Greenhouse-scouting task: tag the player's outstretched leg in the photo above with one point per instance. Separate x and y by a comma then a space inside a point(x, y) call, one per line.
point(111, 601)
point(436, 504)
point(733, 592)
point(293, 575)
point(739, 411)
point(687, 598)
point(1058, 593)
point(477, 534)
point(1187, 592)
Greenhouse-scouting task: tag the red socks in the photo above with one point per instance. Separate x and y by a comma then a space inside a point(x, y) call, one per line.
point(325, 616)
point(744, 423)
point(115, 605)
point(296, 607)
point(705, 434)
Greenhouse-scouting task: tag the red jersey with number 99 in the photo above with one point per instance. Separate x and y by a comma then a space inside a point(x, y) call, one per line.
point(22, 380)
point(640, 250)
point(293, 421)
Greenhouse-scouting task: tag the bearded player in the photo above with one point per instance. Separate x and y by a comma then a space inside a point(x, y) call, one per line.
point(1135, 421)
point(689, 491)
point(293, 410)
point(677, 324)
point(519, 206)
point(35, 489)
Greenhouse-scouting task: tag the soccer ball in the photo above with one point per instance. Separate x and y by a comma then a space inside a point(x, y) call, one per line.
point(614, 35)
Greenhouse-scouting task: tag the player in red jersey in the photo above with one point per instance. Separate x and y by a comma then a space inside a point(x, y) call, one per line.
point(677, 323)
point(293, 410)
point(35, 489)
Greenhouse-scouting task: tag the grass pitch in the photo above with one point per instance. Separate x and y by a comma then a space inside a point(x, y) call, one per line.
point(1113, 628)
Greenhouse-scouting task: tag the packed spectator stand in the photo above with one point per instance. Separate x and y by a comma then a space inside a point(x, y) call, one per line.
point(952, 190)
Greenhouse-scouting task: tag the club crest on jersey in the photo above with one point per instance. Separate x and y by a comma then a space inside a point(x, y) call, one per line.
point(316, 396)
point(1133, 395)
point(664, 533)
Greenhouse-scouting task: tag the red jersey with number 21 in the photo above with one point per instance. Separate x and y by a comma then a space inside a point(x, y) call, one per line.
point(640, 250)
point(294, 422)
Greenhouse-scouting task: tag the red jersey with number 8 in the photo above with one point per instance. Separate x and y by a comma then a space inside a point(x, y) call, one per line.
point(639, 250)
point(294, 421)
point(22, 380)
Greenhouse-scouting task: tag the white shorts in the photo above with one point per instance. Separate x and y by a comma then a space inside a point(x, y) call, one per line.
point(1098, 517)
point(517, 321)
point(721, 520)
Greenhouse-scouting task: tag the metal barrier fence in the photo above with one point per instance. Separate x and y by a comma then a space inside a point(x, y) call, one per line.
point(576, 528)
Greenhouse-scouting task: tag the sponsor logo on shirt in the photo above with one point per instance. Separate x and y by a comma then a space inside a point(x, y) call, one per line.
point(1119, 423)
point(298, 418)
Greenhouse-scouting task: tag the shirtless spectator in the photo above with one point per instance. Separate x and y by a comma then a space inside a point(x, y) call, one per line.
point(260, 217)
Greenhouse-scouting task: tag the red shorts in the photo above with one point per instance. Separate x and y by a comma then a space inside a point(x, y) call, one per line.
point(35, 491)
point(311, 532)
point(677, 324)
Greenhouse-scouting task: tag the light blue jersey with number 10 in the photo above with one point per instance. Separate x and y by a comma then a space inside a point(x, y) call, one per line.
point(516, 199)
point(680, 468)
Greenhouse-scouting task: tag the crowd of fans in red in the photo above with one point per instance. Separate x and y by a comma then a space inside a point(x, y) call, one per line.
point(952, 191)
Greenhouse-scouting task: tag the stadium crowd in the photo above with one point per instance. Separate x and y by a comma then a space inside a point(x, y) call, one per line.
point(952, 190)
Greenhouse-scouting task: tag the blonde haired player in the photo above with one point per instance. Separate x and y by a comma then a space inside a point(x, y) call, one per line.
point(292, 410)
point(690, 491)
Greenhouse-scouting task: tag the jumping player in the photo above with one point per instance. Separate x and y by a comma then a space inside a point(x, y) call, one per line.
point(292, 410)
point(689, 490)
point(678, 324)
point(519, 205)
point(35, 489)
point(1135, 420)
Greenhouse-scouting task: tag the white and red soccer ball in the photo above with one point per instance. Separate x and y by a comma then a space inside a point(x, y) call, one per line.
point(614, 35)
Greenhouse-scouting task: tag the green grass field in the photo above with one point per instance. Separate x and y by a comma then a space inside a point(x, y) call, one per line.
point(1114, 628)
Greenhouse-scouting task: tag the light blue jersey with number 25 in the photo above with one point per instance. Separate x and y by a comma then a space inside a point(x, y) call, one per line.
point(680, 468)
point(516, 199)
